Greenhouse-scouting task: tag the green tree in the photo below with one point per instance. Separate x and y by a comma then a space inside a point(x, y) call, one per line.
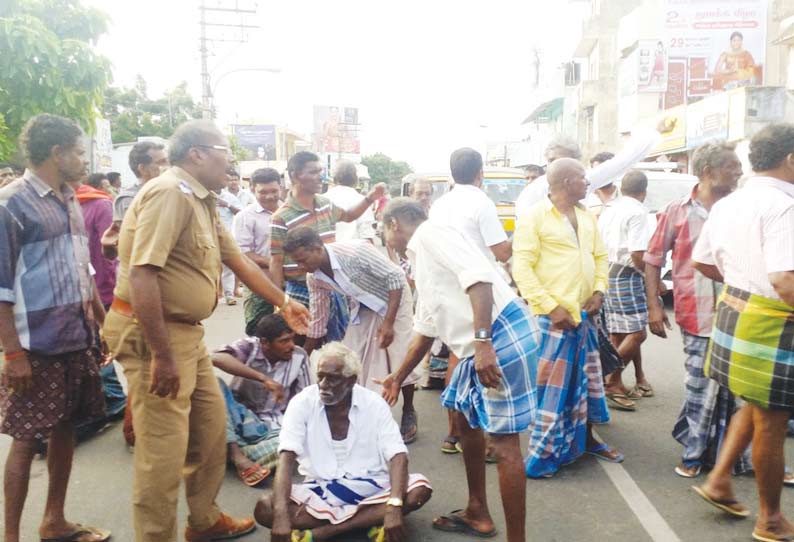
point(48, 63)
point(383, 169)
point(132, 114)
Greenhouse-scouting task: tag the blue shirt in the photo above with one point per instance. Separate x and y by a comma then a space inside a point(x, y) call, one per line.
point(44, 267)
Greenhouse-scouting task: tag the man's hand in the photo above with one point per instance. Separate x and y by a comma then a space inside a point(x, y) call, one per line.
point(165, 378)
point(279, 394)
point(377, 192)
point(393, 524)
point(110, 241)
point(297, 317)
point(282, 528)
point(221, 202)
point(391, 388)
point(486, 365)
point(385, 334)
point(667, 124)
point(593, 304)
point(562, 319)
point(17, 374)
point(657, 319)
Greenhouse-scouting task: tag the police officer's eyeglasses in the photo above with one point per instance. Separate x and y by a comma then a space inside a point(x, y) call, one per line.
point(216, 147)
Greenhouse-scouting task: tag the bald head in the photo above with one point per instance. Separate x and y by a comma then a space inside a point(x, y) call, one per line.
point(562, 169)
point(566, 179)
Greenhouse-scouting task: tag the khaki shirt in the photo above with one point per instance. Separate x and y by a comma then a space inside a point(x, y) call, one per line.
point(173, 224)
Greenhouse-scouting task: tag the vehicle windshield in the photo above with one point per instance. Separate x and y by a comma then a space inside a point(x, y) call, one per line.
point(662, 192)
point(503, 191)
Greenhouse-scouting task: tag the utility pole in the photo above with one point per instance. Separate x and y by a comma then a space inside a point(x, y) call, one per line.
point(225, 7)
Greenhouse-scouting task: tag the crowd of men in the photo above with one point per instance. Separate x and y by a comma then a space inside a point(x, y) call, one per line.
point(539, 328)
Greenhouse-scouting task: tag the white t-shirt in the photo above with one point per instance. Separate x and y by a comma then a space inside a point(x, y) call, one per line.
point(346, 198)
point(445, 265)
point(750, 234)
point(467, 209)
point(624, 227)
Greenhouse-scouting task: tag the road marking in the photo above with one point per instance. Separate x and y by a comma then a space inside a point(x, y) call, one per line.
point(650, 518)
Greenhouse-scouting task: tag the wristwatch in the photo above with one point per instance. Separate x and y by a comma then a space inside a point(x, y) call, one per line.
point(482, 335)
point(394, 501)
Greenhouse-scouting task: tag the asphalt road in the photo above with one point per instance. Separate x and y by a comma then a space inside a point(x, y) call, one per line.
point(640, 500)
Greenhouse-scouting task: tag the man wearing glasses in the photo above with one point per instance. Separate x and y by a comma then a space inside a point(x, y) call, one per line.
point(171, 248)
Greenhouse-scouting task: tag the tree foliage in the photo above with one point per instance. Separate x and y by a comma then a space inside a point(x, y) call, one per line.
point(48, 64)
point(133, 114)
point(383, 169)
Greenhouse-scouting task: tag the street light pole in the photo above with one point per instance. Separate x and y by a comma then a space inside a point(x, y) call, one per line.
point(206, 112)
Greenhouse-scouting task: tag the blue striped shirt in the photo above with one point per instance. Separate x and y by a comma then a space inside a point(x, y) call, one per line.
point(44, 267)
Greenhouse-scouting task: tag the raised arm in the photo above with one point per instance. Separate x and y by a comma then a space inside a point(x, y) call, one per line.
point(360, 208)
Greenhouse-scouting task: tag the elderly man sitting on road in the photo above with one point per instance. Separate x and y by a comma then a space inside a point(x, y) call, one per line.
point(350, 451)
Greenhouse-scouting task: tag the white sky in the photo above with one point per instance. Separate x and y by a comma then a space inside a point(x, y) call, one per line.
point(425, 75)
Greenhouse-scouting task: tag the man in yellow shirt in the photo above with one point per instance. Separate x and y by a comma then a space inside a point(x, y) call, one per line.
point(560, 266)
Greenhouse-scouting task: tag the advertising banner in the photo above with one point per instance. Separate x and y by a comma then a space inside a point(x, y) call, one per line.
point(336, 129)
point(711, 46)
point(258, 139)
point(652, 66)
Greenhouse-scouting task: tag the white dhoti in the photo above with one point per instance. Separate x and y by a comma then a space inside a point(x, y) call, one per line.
point(336, 501)
point(362, 338)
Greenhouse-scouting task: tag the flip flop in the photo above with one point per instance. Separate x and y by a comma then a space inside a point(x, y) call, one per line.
point(456, 524)
point(82, 533)
point(614, 400)
point(679, 470)
point(454, 448)
point(645, 390)
point(596, 451)
point(634, 394)
point(409, 427)
point(376, 534)
point(764, 538)
point(301, 536)
point(732, 506)
point(254, 475)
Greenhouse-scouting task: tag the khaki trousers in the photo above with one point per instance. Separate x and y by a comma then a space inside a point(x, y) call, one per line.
point(175, 438)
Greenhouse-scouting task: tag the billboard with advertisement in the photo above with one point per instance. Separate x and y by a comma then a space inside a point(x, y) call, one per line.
point(712, 45)
point(336, 129)
point(258, 139)
point(651, 66)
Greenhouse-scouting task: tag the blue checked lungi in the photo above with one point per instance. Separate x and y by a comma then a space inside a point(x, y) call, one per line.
point(510, 408)
point(340, 313)
point(625, 304)
point(706, 412)
point(243, 427)
point(338, 500)
point(570, 394)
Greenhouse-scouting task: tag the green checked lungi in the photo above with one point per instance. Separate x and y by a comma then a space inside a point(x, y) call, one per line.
point(752, 348)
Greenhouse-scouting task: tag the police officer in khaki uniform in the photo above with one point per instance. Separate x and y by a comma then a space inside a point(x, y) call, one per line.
point(171, 248)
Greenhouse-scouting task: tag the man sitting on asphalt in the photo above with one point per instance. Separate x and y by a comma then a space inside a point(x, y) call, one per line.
point(269, 370)
point(350, 451)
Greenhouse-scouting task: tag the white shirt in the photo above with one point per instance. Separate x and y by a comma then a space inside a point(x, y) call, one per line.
point(346, 198)
point(445, 265)
point(373, 438)
point(750, 234)
point(226, 214)
point(632, 152)
point(246, 197)
point(467, 209)
point(624, 227)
